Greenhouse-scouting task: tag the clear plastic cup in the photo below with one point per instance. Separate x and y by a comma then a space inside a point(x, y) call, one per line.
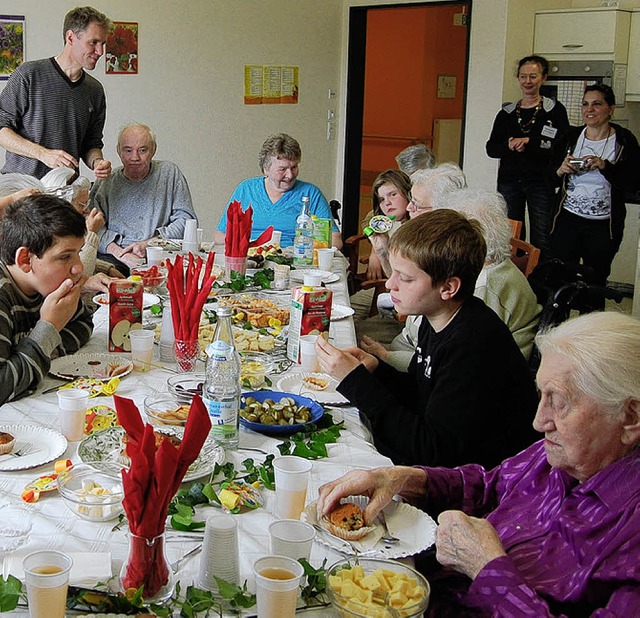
point(277, 581)
point(291, 538)
point(46, 575)
point(292, 477)
point(72, 409)
point(142, 349)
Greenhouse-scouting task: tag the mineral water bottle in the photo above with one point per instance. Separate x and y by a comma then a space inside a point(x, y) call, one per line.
point(221, 392)
point(303, 241)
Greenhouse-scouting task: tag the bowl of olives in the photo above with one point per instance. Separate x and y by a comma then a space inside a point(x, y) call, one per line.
point(277, 413)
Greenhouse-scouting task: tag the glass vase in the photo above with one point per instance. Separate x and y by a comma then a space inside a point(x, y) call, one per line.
point(187, 351)
point(146, 565)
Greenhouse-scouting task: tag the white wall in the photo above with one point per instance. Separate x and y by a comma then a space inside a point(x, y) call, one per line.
point(190, 84)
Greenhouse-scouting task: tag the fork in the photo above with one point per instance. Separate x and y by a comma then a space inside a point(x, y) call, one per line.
point(23, 450)
point(346, 546)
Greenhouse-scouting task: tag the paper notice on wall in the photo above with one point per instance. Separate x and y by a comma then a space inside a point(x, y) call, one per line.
point(270, 84)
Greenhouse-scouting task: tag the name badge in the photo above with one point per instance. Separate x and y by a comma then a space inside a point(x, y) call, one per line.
point(549, 131)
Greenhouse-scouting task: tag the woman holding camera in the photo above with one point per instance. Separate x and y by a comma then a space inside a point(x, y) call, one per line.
point(594, 165)
point(522, 137)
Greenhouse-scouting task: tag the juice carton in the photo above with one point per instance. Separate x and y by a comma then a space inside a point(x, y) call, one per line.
point(321, 236)
point(125, 312)
point(310, 315)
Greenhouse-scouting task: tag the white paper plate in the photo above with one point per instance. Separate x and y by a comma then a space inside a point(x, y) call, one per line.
point(415, 529)
point(46, 445)
point(98, 366)
point(340, 312)
point(148, 300)
point(293, 383)
point(104, 449)
point(326, 275)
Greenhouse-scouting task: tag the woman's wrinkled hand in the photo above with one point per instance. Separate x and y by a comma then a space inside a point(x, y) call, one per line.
point(465, 543)
point(380, 485)
point(517, 144)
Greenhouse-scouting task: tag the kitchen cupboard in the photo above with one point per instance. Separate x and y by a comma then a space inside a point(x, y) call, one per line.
point(599, 33)
point(633, 69)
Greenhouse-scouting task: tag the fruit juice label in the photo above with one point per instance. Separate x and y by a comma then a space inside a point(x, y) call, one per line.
point(310, 315)
point(321, 236)
point(125, 312)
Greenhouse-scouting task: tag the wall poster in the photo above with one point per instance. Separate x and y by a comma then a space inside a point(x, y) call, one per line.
point(121, 55)
point(270, 84)
point(12, 40)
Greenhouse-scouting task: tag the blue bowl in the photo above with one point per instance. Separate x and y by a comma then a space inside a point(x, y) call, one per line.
point(281, 430)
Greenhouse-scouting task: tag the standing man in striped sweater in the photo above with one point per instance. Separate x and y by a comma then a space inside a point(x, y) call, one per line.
point(52, 112)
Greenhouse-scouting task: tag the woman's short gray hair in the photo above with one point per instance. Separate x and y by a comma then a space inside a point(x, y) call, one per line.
point(414, 158)
point(279, 146)
point(490, 210)
point(439, 180)
point(604, 351)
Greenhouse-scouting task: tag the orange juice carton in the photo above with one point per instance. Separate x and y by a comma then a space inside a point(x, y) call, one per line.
point(321, 236)
point(125, 312)
point(310, 315)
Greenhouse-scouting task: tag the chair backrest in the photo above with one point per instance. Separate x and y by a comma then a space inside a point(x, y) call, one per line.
point(516, 228)
point(524, 255)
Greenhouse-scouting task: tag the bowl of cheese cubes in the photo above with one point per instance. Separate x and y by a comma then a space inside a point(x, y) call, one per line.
point(92, 494)
point(376, 588)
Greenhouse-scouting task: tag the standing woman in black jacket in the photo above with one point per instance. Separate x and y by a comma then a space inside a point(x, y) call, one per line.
point(522, 137)
point(594, 165)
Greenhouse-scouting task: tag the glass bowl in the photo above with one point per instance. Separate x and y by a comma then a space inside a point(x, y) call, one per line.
point(254, 368)
point(91, 494)
point(393, 589)
point(163, 409)
point(152, 276)
point(185, 385)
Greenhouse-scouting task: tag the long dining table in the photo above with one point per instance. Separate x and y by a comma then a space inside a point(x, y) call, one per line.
point(53, 526)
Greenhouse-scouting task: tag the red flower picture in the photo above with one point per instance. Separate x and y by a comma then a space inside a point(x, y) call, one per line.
point(122, 48)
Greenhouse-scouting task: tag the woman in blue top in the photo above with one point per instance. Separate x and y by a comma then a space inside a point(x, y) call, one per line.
point(276, 196)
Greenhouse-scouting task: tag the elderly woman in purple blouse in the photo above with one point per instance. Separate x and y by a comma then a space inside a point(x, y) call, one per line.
point(555, 530)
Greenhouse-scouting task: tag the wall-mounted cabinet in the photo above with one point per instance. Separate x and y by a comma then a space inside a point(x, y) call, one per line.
point(598, 33)
point(633, 69)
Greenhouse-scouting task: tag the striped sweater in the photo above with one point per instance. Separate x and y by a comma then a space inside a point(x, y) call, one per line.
point(41, 104)
point(27, 343)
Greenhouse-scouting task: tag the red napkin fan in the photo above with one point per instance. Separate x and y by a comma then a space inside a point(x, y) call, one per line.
point(187, 295)
point(149, 485)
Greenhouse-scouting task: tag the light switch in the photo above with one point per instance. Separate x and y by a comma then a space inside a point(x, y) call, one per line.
point(446, 86)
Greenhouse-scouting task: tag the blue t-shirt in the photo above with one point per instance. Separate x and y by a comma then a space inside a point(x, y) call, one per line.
point(283, 214)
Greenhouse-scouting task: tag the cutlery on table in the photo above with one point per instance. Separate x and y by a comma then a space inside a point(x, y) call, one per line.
point(346, 546)
point(387, 537)
point(176, 564)
point(25, 449)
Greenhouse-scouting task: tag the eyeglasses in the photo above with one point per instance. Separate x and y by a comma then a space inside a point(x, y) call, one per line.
point(419, 205)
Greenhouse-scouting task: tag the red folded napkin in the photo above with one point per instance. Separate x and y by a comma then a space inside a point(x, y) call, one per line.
point(152, 480)
point(188, 295)
point(238, 234)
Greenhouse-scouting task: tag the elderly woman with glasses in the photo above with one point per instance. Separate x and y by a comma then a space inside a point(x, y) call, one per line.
point(554, 530)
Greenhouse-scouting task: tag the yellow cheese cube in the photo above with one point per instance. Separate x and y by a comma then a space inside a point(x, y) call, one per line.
point(371, 582)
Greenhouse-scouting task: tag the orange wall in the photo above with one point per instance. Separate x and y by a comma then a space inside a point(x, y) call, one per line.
point(407, 48)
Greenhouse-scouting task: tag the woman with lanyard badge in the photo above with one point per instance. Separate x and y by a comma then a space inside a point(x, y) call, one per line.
point(522, 137)
point(594, 165)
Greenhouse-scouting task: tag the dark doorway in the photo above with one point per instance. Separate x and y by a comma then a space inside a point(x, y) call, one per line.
point(406, 83)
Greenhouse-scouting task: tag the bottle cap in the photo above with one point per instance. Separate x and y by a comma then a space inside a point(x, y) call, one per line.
point(223, 311)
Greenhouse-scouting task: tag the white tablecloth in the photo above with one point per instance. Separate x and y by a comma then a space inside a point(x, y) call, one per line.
point(54, 527)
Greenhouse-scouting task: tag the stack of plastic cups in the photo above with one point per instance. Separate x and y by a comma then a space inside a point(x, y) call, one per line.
point(219, 552)
point(167, 337)
point(190, 238)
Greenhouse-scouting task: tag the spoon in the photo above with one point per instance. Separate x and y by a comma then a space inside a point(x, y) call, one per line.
point(387, 537)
